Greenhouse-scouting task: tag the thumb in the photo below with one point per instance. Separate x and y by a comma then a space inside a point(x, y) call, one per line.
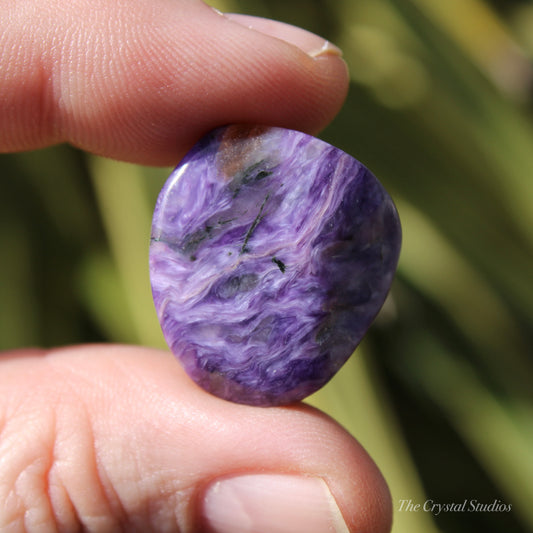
point(141, 80)
point(112, 438)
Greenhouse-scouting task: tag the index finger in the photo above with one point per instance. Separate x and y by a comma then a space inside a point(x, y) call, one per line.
point(141, 81)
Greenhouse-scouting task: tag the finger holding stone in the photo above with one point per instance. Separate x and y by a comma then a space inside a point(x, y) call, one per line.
point(142, 80)
point(113, 437)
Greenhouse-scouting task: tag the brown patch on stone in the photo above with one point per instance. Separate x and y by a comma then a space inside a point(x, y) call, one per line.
point(238, 142)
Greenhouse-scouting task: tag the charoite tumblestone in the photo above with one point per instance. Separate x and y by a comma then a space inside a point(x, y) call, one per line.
point(271, 254)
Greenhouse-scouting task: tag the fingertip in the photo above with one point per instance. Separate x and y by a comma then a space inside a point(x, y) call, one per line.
point(160, 442)
point(318, 80)
point(271, 502)
point(245, 69)
point(313, 45)
point(355, 481)
point(208, 441)
point(143, 83)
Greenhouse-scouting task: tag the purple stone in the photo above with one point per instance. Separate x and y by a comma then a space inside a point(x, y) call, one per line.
point(271, 254)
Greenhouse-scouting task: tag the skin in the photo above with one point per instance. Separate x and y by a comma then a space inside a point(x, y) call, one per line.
point(105, 438)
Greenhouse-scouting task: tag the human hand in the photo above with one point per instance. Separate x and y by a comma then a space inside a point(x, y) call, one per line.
point(107, 438)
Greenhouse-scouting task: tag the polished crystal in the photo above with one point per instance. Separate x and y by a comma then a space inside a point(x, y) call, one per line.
point(271, 254)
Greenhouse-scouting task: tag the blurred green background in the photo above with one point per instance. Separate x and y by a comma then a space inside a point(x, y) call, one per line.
point(441, 109)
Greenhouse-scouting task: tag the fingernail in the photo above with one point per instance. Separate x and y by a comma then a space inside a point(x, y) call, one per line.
point(271, 504)
point(311, 44)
